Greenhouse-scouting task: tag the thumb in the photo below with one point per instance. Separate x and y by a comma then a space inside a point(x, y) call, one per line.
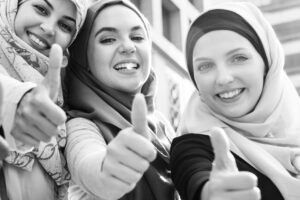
point(139, 115)
point(52, 79)
point(224, 160)
point(4, 149)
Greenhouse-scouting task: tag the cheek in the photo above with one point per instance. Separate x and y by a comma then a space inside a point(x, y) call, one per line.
point(204, 84)
point(63, 39)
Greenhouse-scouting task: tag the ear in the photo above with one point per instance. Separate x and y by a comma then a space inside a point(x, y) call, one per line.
point(65, 61)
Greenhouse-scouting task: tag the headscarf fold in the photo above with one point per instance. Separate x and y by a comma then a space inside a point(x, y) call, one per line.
point(110, 109)
point(268, 137)
point(26, 64)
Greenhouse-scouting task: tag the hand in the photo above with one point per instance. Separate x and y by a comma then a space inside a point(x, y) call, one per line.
point(38, 117)
point(129, 154)
point(226, 182)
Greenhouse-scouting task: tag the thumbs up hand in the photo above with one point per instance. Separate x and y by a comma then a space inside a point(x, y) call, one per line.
point(38, 117)
point(226, 182)
point(129, 154)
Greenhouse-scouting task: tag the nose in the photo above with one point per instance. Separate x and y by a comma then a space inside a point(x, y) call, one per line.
point(127, 47)
point(224, 76)
point(48, 29)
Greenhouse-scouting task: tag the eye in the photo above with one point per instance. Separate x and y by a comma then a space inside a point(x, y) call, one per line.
point(107, 40)
point(66, 27)
point(41, 10)
point(204, 67)
point(138, 38)
point(239, 58)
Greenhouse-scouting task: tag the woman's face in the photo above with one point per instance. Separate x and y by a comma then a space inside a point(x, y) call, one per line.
point(229, 73)
point(41, 23)
point(119, 49)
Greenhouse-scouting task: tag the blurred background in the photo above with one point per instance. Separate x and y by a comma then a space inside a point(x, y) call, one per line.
point(170, 20)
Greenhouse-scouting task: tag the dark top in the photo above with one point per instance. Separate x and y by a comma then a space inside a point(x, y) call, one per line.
point(191, 162)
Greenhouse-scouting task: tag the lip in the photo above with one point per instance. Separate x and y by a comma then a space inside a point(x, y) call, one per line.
point(129, 70)
point(126, 61)
point(230, 99)
point(37, 46)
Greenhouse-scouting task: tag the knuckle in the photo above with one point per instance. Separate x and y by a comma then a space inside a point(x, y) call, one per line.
point(144, 165)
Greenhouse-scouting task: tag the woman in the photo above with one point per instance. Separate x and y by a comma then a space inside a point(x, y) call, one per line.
point(243, 89)
point(29, 28)
point(110, 62)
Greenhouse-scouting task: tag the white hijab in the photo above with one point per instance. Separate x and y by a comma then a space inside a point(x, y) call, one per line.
point(268, 138)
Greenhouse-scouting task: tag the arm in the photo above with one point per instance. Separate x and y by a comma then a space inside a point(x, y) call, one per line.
point(13, 91)
point(114, 169)
point(191, 163)
point(85, 149)
point(225, 181)
point(31, 115)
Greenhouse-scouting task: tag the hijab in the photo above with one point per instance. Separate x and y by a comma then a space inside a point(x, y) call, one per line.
point(26, 64)
point(110, 109)
point(267, 137)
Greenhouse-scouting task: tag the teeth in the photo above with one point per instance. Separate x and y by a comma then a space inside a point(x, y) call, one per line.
point(38, 41)
point(128, 66)
point(231, 94)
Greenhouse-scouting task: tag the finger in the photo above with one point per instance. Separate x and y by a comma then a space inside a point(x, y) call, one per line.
point(51, 111)
point(24, 137)
point(251, 194)
point(237, 181)
point(122, 172)
point(224, 160)
point(42, 125)
point(52, 78)
point(139, 115)
point(4, 148)
point(135, 161)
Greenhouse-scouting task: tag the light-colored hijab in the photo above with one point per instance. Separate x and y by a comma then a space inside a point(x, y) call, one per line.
point(268, 138)
point(25, 64)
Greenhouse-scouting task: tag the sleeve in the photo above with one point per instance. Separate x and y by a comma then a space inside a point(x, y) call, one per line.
point(85, 152)
point(13, 91)
point(191, 163)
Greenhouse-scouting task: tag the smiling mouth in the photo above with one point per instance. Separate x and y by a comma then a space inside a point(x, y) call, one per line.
point(38, 43)
point(129, 66)
point(230, 94)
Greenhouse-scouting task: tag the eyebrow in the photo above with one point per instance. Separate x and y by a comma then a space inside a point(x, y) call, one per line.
point(111, 29)
point(227, 54)
point(234, 50)
point(49, 4)
point(66, 17)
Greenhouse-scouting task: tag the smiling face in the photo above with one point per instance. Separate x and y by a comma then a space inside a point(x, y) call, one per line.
point(119, 50)
point(229, 73)
point(41, 23)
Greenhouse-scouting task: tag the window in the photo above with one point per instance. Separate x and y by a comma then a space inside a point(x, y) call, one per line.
point(171, 23)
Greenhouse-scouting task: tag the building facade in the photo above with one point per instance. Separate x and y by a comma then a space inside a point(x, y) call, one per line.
point(170, 20)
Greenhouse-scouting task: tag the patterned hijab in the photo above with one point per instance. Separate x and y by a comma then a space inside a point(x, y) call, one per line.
point(25, 64)
point(110, 109)
point(268, 137)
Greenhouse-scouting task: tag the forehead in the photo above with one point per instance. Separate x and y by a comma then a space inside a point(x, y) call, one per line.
point(68, 6)
point(221, 40)
point(118, 16)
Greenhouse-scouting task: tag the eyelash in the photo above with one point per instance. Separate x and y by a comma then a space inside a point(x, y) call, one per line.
point(107, 40)
point(41, 10)
point(204, 67)
point(65, 27)
point(239, 58)
point(111, 40)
